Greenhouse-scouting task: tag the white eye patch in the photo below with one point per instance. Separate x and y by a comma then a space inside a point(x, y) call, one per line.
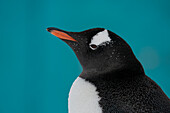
point(100, 39)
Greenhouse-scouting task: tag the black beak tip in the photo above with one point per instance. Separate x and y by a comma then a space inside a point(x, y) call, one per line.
point(49, 29)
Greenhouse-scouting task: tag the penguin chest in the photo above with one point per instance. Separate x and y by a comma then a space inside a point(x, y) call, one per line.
point(83, 97)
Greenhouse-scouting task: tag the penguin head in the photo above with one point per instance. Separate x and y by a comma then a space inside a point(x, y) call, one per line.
point(99, 50)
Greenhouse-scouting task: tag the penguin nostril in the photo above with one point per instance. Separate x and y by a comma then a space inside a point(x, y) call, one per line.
point(93, 46)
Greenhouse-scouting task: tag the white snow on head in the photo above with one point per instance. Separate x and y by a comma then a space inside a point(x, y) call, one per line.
point(100, 38)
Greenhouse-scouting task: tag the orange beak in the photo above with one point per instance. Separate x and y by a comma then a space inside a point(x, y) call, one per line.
point(60, 34)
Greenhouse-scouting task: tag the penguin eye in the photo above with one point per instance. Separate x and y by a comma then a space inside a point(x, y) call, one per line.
point(93, 46)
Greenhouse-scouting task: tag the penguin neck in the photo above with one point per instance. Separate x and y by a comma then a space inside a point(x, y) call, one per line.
point(124, 71)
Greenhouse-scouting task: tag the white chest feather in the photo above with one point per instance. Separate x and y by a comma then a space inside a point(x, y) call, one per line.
point(83, 97)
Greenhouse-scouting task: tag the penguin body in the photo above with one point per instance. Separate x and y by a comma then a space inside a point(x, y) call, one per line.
point(112, 80)
point(137, 94)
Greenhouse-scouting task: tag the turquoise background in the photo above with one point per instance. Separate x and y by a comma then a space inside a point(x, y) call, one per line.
point(37, 69)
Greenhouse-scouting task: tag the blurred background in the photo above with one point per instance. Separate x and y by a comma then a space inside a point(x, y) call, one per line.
point(37, 69)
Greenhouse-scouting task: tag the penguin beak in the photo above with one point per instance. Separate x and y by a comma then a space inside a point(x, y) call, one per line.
point(60, 34)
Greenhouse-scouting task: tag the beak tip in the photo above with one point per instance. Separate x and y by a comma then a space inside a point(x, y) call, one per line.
point(48, 29)
point(59, 33)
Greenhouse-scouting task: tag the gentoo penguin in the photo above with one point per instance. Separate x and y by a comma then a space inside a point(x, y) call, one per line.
point(112, 80)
